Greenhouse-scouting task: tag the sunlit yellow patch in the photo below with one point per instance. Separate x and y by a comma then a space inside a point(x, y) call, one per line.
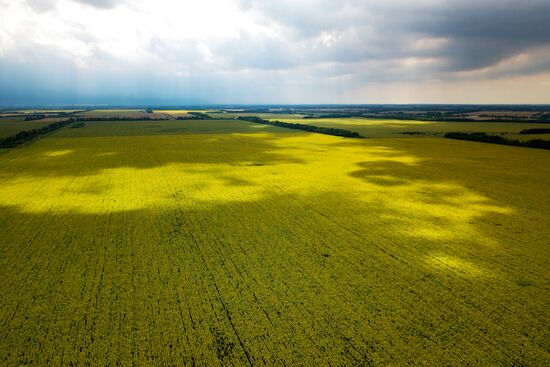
point(59, 153)
point(455, 265)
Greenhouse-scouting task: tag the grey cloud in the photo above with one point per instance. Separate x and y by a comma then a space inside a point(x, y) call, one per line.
point(253, 52)
point(102, 4)
point(308, 19)
point(42, 6)
point(184, 56)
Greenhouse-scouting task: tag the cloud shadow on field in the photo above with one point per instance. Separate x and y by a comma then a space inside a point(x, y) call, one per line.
point(383, 172)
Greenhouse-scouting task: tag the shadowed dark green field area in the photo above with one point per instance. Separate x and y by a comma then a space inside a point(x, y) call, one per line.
point(229, 243)
point(12, 125)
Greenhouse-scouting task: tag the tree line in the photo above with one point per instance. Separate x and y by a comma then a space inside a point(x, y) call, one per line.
point(196, 116)
point(27, 135)
point(497, 139)
point(310, 128)
point(535, 131)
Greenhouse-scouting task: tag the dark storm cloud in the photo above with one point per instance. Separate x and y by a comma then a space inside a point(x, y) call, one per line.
point(477, 34)
point(485, 32)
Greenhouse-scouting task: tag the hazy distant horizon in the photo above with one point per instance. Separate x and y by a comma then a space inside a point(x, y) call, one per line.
point(264, 105)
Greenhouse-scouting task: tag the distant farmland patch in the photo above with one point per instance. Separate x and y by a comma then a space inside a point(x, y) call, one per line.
point(120, 114)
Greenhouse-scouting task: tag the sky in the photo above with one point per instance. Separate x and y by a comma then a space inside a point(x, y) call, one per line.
point(168, 52)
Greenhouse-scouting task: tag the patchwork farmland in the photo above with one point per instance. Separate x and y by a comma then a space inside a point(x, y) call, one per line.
point(224, 242)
